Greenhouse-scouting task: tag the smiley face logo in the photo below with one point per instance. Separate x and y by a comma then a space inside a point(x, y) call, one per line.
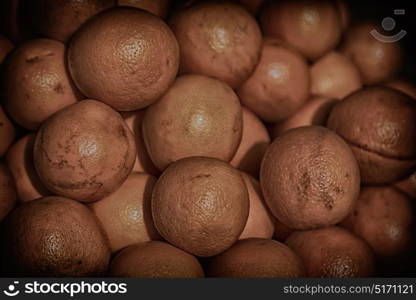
point(389, 24)
point(11, 290)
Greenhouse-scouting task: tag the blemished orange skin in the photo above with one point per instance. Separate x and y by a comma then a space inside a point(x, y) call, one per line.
point(403, 85)
point(200, 205)
point(314, 112)
point(20, 161)
point(334, 76)
point(37, 83)
point(332, 252)
point(219, 39)
point(84, 152)
point(7, 132)
point(377, 61)
point(311, 27)
point(125, 215)
point(143, 163)
point(384, 218)
point(383, 137)
point(54, 237)
point(125, 57)
point(155, 260)
point(260, 222)
point(7, 190)
point(309, 178)
point(5, 47)
point(279, 85)
point(254, 142)
point(157, 7)
point(256, 258)
point(59, 19)
point(198, 116)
